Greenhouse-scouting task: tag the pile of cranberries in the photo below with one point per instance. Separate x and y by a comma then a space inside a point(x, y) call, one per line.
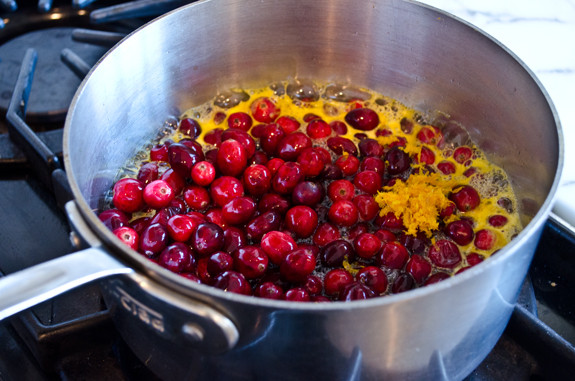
point(282, 208)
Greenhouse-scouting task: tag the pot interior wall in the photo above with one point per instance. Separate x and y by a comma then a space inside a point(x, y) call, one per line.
point(404, 50)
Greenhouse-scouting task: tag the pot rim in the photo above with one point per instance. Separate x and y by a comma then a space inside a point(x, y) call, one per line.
point(191, 289)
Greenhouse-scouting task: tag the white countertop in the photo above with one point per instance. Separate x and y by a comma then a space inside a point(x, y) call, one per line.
point(542, 34)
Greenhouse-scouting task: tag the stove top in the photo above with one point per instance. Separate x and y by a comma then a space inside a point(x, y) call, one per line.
point(72, 336)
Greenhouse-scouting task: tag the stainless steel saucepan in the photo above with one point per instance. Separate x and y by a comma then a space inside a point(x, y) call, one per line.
point(416, 54)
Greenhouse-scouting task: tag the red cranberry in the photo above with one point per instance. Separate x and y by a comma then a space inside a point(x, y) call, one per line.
point(460, 231)
point(313, 285)
point(147, 173)
point(153, 240)
point(128, 195)
point(197, 197)
point(114, 218)
point(214, 137)
point(251, 261)
point(219, 262)
point(273, 201)
point(446, 167)
point(265, 222)
point(239, 210)
point(163, 216)
point(415, 244)
point(335, 280)
point(234, 238)
point(339, 145)
point(214, 215)
point(372, 163)
point(270, 138)
point(287, 177)
point(419, 268)
point(181, 227)
point(158, 194)
point(397, 161)
point(257, 179)
point(334, 253)
point(364, 119)
point(374, 278)
point(302, 220)
point(318, 129)
point(219, 117)
point(288, 123)
point(264, 110)
point(403, 282)
point(429, 135)
point(385, 235)
point(224, 189)
point(277, 245)
point(177, 258)
point(444, 254)
point(240, 120)
point(356, 291)
point(340, 190)
point(331, 172)
point(297, 265)
point(310, 162)
point(485, 239)
point(370, 147)
point(356, 230)
point(462, 154)
point(274, 164)
point(474, 259)
point(435, 278)
point(269, 290)
point(232, 158)
point(497, 220)
point(308, 193)
point(426, 156)
point(233, 281)
point(191, 276)
point(338, 127)
point(292, 145)
point(466, 198)
point(348, 164)
point(343, 213)
point(367, 245)
point(393, 255)
point(159, 152)
point(297, 294)
point(368, 181)
point(207, 239)
point(128, 236)
point(174, 180)
point(325, 233)
point(182, 158)
point(203, 173)
point(367, 207)
point(258, 157)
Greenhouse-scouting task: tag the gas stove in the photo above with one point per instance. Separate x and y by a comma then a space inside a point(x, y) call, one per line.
point(72, 336)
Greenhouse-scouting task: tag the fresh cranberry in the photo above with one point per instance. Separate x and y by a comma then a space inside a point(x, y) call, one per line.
point(251, 261)
point(159, 152)
point(374, 278)
point(215, 215)
point(277, 245)
point(207, 239)
point(497, 220)
point(269, 290)
point(297, 265)
point(234, 238)
point(232, 281)
point(147, 173)
point(385, 235)
point(177, 258)
point(335, 280)
point(313, 285)
point(297, 294)
point(435, 278)
point(114, 218)
point(459, 231)
point(356, 291)
point(214, 137)
point(429, 135)
point(466, 198)
point(219, 117)
point(393, 255)
point(338, 127)
point(292, 145)
point(462, 154)
point(331, 172)
point(203, 173)
point(219, 262)
point(356, 230)
point(318, 129)
point(158, 194)
point(372, 163)
point(257, 179)
point(340, 190)
point(128, 236)
point(426, 156)
point(274, 164)
point(310, 116)
point(419, 268)
point(193, 145)
point(334, 253)
point(415, 244)
point(308, 193)
point(397, 161)
point(485, 239)
point(191, 276)
point(287, 177)
point(264, 110)
point(197, 197)
point(242, 137)
point(224, 189)
point(182, 158)
point(260, 225)
point(258, 157)
point(270, 138)
point(474, 259)
point(403, 282)
point(325, 233)
point(370, 147)
point(240, 120)
point(363, 118)
point(239, 210)
point(310, 162)
point(368, 181)
point(339, 145)
point(232, 158)
point(128, 195)
point(444, 254)
point(367, 245)
point(273, 201)
point(446, 167)
point(367, 207)
point(163, 215)
point(181, 227)
point(447, 211)
point(174, 180)
point(288, 123)
point(348, 164)
point(302, 220)
point(153, 240)
point(343, 213)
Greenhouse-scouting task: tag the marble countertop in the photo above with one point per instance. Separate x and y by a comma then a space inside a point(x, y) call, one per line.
point(542, 35)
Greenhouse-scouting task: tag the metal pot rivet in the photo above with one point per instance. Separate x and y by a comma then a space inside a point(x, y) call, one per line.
point(193, 332)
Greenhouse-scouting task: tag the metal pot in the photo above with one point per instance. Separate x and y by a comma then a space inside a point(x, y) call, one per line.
point(416, 54)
